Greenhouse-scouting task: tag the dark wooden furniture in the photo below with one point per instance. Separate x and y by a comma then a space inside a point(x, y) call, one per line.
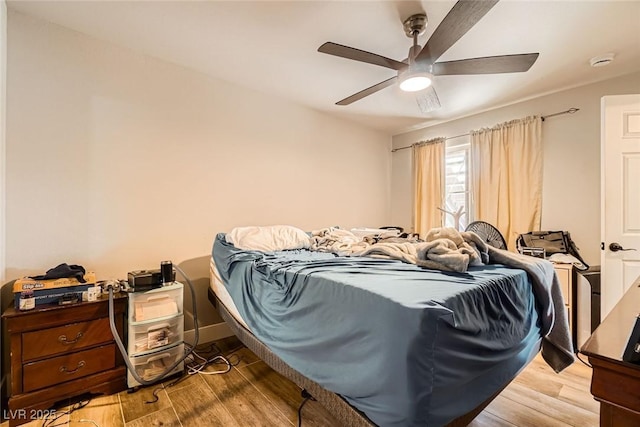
point(614, 383)
point(62, 351)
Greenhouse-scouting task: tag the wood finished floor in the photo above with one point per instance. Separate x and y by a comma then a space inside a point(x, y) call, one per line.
point(252, 394)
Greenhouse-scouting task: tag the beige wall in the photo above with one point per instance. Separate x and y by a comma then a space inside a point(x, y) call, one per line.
point(117, 161)
point(571, 184)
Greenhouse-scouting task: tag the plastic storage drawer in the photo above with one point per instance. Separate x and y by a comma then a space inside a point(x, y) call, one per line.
point(149, 336)
point(158, 303)
point(150, 365)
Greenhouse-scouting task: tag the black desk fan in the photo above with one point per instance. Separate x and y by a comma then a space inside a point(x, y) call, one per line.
point(488, 233)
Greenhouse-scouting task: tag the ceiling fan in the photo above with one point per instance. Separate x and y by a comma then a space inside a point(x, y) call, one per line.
point(417, 71)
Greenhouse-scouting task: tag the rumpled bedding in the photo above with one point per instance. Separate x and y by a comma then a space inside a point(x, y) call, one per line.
point(406, 345)
point(447, 249)
point(443, 249)
point(557, 347)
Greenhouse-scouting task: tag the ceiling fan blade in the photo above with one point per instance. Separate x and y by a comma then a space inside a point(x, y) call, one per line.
point(368, 91)
point(361, 55)
point(460, 19)
point(486, 65)
point(428, 100)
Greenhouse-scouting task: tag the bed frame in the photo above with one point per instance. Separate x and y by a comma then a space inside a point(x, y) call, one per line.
point(336, 405)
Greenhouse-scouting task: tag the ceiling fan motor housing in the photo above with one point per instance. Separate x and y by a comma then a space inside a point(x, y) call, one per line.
point(415, 25)
point(415, 68)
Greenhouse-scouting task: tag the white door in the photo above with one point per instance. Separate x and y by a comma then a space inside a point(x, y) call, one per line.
point(620, 199)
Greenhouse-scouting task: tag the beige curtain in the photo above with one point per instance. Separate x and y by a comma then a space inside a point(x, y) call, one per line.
point(428, 184)
point(506, 176)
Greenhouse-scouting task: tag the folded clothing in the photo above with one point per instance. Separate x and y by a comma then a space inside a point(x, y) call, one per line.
point(559, 258)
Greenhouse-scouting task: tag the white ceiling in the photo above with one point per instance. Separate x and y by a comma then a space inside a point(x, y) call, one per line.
point(272, 47)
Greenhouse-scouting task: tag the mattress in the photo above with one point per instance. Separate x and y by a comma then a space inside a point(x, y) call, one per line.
point(402, 344)
point(223, 295)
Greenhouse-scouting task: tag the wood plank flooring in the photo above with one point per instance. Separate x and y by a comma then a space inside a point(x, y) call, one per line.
point(252, 394)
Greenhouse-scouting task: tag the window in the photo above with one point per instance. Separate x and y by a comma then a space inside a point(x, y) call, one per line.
point(456, 193)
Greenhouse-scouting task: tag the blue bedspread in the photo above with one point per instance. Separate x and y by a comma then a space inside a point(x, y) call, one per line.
point(405, 345)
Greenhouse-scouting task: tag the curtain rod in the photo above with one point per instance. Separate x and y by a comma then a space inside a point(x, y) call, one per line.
point(569, 111)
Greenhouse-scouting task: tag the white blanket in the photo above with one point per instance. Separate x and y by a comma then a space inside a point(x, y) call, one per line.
point(337, 241)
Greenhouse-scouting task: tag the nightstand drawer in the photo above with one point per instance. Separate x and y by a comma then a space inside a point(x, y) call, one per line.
point(37, 375)
point(64, 339)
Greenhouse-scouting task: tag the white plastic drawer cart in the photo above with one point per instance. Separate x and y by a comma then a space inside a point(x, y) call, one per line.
point(155, 332)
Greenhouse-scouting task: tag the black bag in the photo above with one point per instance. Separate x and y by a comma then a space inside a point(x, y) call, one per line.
point(553, 242)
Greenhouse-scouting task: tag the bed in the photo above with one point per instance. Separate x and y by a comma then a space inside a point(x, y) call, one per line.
point(381, 341)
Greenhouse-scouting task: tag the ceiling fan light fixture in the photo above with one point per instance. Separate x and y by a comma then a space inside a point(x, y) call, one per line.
point(413, 81)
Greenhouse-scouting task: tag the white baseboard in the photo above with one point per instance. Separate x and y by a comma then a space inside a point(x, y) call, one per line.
point(209, 333)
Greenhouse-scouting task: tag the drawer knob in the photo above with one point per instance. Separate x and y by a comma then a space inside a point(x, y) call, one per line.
point(72, 371)
point(63, 339)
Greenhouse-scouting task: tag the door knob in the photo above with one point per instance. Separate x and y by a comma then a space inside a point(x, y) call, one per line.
point(615, 247)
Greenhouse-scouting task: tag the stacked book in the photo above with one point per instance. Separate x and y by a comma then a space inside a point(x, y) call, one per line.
point(66, 289)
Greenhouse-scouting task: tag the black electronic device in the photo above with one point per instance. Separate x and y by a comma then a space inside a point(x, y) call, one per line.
point(144, 280)
point(166, 272)
point(632, 351)
point(70, 298)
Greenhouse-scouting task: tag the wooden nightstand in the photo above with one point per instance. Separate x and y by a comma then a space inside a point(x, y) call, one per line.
point(58, 352)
